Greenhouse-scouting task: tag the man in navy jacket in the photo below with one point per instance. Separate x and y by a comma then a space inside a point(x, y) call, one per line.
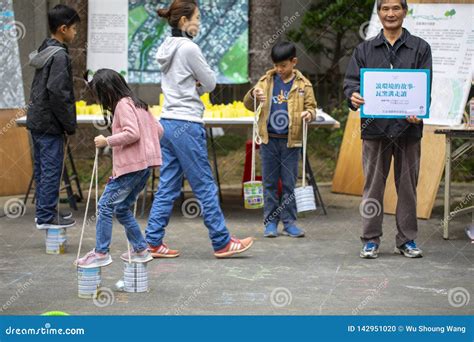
point(393, 48)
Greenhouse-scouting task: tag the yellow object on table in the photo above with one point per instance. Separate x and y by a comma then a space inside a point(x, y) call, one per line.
point(216, 111)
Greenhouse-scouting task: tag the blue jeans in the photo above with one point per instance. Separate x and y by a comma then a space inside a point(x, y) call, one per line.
point(184, 152)
point(279, 162)
point(119, 195)
point(48, 162)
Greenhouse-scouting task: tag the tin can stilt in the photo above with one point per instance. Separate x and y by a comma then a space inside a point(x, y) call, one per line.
point(88, 282)
point(56, 241)
point(135, 277)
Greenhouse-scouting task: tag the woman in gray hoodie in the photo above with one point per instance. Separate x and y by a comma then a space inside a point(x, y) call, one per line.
point(185, 76)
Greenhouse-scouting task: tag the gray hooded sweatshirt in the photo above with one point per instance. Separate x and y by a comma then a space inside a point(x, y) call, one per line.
point(39, 59)
point(182, 65)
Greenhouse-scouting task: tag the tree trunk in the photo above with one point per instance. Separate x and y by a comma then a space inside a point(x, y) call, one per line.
point(78, 49)
point(264, 21)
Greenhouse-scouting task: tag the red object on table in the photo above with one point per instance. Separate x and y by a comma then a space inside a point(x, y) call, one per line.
point(248, 167)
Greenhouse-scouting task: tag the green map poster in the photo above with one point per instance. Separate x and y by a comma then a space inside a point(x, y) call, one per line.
point(223, 39)
point(11, 87)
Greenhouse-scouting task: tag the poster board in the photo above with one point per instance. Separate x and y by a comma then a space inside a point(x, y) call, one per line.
point(107, 45)
point(449, 29)
point(11, 85)
point(433, 151)
point(134, 24)
point(348, 176)
point(15, 154)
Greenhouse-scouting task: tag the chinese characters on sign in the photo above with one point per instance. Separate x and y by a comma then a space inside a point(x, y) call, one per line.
point(391, 93)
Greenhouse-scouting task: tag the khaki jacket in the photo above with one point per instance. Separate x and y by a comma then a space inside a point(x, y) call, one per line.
point(301, 98)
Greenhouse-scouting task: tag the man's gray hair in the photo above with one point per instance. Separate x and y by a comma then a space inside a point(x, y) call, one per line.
point(402, 2)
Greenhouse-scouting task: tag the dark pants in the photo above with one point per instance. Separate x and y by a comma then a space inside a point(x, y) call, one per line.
point(48, 162)
point(279, 162)
point(377, 158)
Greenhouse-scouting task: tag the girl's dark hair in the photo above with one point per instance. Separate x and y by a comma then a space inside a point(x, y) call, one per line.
point(178, 9)
point(110, 87)
point(62, 15)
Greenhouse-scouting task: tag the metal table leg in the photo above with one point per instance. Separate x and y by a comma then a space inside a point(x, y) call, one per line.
point(68, 186)
point(312, 181)
point(447, 188)
point(216, 168)
point(74, 175)
point(30, 185)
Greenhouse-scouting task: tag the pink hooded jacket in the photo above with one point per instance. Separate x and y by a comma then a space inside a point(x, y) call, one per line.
point(135, 139)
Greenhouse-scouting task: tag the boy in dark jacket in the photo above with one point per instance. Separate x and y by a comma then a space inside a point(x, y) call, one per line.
point(51, 114)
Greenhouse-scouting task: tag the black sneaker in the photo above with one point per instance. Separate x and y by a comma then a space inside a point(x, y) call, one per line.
point(62, 214)
point(57, 224)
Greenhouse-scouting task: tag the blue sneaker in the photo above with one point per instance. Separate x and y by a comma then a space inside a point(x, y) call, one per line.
point(410, 250)
point(370, 251)
point(271, 230)
point(293, 231)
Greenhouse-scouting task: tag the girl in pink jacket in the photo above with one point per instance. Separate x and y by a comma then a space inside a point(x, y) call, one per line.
point(135, 142)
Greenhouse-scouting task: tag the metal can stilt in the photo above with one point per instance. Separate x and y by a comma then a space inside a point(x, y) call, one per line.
point(135, 277)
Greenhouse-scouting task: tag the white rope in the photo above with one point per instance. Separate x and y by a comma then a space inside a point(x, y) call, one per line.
point(128, 242)
point(97, 186)
point(94, 174)
point(305, 140)
point(255, 136)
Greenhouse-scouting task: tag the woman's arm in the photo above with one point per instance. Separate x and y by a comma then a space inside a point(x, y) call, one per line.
point(201, 71)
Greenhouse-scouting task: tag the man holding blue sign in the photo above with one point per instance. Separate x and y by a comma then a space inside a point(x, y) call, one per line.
point(392, 103)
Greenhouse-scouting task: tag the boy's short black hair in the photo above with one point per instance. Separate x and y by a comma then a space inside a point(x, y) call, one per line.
point(62, 15)
point(283, 51)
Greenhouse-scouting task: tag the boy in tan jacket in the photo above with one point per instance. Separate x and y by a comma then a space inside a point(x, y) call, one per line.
point(287, 99)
